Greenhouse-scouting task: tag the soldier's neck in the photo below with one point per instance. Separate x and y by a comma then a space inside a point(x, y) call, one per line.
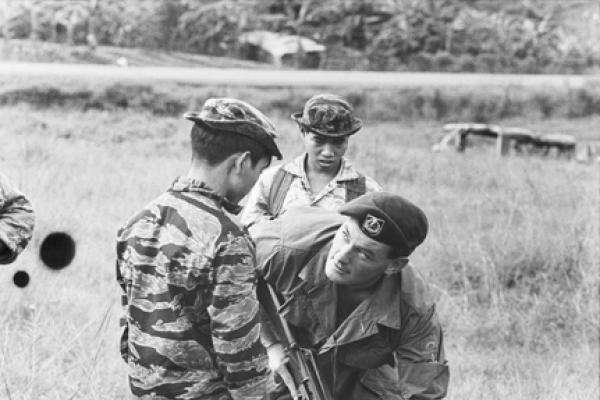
point(349, 298)
point(355, 294)
point(215, 177)
point(318, 177)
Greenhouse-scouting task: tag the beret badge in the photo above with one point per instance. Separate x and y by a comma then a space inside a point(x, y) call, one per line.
point(373, 225)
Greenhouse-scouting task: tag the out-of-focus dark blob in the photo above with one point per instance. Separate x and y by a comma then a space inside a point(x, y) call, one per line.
point(57, 250)
point(21, 279)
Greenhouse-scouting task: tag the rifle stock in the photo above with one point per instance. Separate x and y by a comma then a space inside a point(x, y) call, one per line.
point(307, 377)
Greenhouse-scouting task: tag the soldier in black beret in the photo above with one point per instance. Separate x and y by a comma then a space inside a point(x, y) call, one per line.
point(350, 296)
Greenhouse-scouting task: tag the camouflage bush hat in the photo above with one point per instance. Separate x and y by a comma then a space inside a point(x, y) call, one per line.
point(389, 219)
point(237, 117)
point(328, 115)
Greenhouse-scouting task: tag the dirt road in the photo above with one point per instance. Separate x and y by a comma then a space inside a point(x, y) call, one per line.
point(239, 77)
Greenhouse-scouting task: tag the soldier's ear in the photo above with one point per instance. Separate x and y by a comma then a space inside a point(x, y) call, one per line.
point(236, 162)
point(401, 262)
point(245, 160)
point(398, 263)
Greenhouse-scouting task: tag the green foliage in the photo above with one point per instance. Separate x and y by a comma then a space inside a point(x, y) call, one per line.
point(444, 35)
point(213, 28)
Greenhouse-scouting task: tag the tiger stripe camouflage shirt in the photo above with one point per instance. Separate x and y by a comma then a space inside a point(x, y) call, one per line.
point(187, 272)
point(16, 221)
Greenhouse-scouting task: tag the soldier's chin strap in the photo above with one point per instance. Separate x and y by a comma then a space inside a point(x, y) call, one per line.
point(57, 250)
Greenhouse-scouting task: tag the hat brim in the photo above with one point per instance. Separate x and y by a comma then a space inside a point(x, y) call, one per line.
point(356, 125)
point(244, 128)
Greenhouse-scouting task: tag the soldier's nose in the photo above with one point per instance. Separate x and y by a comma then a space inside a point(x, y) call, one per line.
point(328, 150)
point(343, 254)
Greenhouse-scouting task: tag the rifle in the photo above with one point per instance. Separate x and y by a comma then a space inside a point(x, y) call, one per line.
point(307, 378)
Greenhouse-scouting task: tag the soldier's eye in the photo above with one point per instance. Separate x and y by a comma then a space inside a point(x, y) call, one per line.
point(364, 255)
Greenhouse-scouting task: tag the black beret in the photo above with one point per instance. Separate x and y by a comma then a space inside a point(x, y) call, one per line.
point(389, 219)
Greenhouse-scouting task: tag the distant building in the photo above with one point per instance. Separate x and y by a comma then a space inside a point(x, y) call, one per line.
point(281, 49)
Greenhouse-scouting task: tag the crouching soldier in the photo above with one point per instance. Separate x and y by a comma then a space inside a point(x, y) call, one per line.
point(16, 221)
point(349, 294)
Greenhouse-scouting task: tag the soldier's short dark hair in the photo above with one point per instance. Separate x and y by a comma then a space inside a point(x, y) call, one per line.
point(214, 146)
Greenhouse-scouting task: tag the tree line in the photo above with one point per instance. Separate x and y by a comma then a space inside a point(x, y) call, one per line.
point(527, 36)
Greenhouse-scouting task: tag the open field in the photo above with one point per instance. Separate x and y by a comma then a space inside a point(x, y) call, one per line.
point(513, 251)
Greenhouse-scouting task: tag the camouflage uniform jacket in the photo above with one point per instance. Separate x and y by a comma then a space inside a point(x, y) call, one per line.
point(331, 197)
point(187, 272)
point(16, 221)
point(389, 347)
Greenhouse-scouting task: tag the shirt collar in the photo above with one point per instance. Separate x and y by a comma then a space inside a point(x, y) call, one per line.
point(191, 185)
point(346, 172)
point(382, 307)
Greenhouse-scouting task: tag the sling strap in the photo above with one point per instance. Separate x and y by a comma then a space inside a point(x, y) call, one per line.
point(355, 188)
point(283, 180)
point(279, 188)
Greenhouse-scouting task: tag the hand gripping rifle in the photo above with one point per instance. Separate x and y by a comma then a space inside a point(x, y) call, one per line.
point(306, 376)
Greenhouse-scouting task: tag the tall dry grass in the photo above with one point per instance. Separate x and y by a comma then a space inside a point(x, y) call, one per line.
point(512, 253)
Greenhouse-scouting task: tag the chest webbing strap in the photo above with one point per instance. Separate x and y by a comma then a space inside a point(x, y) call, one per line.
point(279, 188)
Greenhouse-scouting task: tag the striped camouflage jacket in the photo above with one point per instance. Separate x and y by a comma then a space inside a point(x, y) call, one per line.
point(16, 221)
point(187, 272)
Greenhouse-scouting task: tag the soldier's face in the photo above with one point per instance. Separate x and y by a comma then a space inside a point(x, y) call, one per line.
point(355, 258)
point(244, 175)
point(324, 153)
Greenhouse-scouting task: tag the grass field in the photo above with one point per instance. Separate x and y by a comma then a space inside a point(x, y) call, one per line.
point(512, 254)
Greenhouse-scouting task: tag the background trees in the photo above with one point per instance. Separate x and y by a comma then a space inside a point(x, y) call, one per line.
point(444, 35)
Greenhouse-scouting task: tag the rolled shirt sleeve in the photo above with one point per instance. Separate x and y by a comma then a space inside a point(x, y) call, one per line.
point(422, 368)
point(16, 221)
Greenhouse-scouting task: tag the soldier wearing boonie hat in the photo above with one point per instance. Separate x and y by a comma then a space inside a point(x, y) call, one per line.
point(231, 116)
point(321, 176)
point(187, 334)
point(350, 296)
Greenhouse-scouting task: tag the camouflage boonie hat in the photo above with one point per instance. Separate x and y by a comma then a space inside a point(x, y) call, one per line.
point(238, 117)
point(328, 115)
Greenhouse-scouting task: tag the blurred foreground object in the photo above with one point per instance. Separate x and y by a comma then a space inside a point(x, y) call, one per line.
point(16, 221)
point(57, 250)
point(21, 279)
point(519, 140)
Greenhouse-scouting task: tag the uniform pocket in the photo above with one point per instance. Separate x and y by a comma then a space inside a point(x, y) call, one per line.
point(376, 384)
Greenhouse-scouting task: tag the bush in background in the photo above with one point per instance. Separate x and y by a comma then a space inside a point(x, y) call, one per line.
point(440, 104)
